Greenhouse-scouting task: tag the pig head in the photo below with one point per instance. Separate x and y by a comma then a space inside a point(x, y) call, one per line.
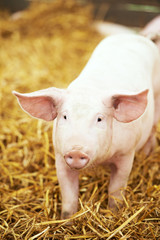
point(84, 135)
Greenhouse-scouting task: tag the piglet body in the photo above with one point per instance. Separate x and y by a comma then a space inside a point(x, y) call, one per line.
point(104, 116)
point(152, 30)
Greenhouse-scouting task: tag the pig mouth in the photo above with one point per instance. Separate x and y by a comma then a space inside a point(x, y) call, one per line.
point(76, 159)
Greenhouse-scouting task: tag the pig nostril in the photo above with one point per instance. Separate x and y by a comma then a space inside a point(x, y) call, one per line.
point(76, 159)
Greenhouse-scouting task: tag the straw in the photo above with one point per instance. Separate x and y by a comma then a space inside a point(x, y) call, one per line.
point(48, 45)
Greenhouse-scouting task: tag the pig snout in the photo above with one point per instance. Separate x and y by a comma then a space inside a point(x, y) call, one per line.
point(76, 159)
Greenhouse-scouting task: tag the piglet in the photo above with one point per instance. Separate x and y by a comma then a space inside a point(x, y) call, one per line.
point(104, 116)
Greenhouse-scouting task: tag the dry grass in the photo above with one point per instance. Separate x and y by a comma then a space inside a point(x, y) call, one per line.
point(48, 46)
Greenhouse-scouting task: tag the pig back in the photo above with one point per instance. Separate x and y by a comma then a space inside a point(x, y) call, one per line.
point(120, 63)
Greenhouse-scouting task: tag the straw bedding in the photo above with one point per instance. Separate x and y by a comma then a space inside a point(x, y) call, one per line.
point(48, 45)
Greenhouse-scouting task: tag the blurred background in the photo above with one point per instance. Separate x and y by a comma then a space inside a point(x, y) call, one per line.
point(127, 12)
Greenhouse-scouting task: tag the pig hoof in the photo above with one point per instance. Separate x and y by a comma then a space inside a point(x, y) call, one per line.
point(114, 205)
point(65, 215)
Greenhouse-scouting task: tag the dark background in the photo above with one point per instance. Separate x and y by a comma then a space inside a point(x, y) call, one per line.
point(126, 12)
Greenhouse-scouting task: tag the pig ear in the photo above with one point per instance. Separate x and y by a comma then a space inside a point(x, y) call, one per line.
point(41, 104)
point(127, 108)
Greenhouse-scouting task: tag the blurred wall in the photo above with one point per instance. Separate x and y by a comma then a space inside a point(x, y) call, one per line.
point(125, 12)
point(14, 5)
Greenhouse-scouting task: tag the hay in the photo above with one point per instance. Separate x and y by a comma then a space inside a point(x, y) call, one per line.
point(48, 46)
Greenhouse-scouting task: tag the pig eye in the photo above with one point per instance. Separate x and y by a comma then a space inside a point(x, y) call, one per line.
point(99, 119)
point(65, 117)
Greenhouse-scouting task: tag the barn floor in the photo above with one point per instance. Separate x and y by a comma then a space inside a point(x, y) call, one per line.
point(48, 45)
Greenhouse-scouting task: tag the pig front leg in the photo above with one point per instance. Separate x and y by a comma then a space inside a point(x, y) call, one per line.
point(120, 169)
point(69, 185)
